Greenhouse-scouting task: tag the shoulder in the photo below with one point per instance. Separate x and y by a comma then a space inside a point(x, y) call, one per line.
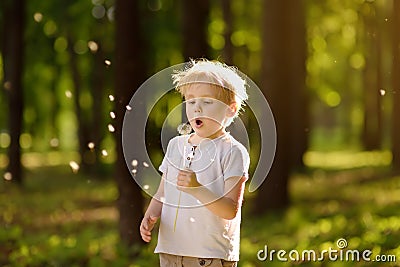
point(176, 140)
point(234, 145)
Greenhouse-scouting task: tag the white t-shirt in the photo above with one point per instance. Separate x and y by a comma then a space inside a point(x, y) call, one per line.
point(191, 229)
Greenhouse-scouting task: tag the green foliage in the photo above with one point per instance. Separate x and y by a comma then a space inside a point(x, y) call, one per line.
point(65, 219)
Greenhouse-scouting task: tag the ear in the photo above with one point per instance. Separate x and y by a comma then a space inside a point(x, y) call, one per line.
point(232, 109)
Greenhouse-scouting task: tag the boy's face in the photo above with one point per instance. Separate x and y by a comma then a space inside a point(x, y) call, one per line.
point(206, 114)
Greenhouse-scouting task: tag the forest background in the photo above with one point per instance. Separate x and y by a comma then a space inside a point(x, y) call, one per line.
point(329, 70)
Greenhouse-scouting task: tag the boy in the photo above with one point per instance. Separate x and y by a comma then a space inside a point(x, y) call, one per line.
point(201, 191)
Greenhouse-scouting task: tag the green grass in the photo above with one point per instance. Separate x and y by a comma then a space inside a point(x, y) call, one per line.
point(65, 219)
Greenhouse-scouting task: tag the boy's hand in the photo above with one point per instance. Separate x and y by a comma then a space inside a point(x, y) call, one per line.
point(187, 180)
point(147, 226)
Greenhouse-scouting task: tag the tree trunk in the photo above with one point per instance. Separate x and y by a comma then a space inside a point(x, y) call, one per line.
point(83, 130)
point(283, 83)
point(98, 126)
point(396, 86)
point(372, 130)
point(227, 53)
point(130, 70)
point(13, 55)
point(195, 22)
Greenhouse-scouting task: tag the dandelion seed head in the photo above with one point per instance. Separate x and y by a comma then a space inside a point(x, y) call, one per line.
point(184, 128)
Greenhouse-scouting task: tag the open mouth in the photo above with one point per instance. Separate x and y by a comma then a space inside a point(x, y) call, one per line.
point(198, 123)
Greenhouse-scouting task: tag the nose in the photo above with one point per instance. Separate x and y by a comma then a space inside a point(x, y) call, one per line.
point(197, 107)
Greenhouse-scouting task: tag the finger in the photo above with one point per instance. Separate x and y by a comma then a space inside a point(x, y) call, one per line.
point(146, 238)
point(153, 219)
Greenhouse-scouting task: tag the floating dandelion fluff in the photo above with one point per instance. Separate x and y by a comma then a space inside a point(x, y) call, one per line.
point(38, 17)
point(111, 128)
point(134, 163)
point(104, 153)
point(74, 166)
point(129, 108)
point(90, 145)
point(192, 219)
point(7, 176)
point(111, 97)
point(382, 92)
point(68, 94)
point(146, 187)
point(107, 62)
point(145, 164)
point(112, 115)
point(134, 171)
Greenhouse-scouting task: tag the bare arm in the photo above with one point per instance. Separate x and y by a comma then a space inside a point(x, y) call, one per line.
point(226, 206)
point(152, 213)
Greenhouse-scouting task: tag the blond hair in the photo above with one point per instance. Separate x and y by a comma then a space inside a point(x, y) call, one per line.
point(230, 85)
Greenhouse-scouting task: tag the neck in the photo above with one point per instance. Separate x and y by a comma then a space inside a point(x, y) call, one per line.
point(196, 139)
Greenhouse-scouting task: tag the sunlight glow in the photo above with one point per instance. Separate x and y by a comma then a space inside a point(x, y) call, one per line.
point(54, 142)
point(98, 11)
point(5, 140)
point(347, 159)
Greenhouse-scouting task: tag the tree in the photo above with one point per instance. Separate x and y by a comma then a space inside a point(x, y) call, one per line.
point(396, 85)
point(372, 131)
point(283, 83)
point(13, 59)
point(129, 74)
point(194, 23)
point(227, 53)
